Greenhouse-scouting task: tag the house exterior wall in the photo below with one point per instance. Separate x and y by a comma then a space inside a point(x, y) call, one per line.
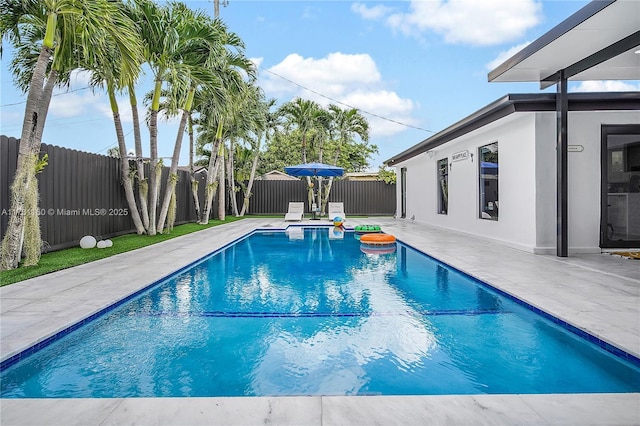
point(516, 184)
point(526, 184)
point(584, 170)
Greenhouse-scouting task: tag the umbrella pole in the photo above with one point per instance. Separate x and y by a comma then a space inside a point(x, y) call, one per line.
point(319, 196)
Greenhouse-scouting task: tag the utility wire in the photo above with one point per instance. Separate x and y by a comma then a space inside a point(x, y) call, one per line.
point(347, 105)
point(292, 82)
point(57, 94)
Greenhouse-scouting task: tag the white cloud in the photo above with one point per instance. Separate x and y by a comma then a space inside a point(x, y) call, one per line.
point(79, 79)
point(506, 54)
point(385, 104)
point(257, 61)
point(72, 104)
point(606, 86)
point(370, 13)
point(351, 79)
point(463, 21)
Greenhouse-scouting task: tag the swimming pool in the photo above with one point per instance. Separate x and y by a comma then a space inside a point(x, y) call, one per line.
point(307, 313)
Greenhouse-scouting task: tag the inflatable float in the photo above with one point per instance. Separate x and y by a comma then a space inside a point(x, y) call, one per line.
point(367, 229)
point(377, 243)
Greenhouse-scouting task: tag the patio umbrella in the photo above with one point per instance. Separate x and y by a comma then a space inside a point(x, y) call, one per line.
point(314, 169)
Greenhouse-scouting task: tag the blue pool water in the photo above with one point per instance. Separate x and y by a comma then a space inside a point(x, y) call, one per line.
point(308, 313)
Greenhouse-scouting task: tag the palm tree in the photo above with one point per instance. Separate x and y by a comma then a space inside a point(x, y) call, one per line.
point(143, 185)
point(106, 71)
point(264, 128)
point(303, 115)
point(158, 32)
point(192, 175)
point(63, 38)
point(200, 44)
point(347, 124)
point(244, 119)
point(232, 68)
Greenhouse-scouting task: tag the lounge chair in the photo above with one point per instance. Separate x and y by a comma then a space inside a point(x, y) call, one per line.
point(296, 211)
point(336, 209)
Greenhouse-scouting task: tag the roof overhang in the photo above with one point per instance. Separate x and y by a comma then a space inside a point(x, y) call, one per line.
point(599, 42)
point(513, 103)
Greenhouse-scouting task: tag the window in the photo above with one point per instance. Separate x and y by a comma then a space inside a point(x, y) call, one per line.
point(443, 186)
point(403, 192)
point(488, 171)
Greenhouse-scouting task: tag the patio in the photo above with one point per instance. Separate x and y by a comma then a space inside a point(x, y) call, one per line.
point(598, 293)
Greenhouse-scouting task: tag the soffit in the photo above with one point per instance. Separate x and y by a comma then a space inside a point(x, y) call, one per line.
point(588, 33)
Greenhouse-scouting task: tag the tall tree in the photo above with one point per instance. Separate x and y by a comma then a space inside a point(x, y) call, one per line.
point(134, 14)
point(234, 69)
point(303, 115)
point(64, 33)
point(221, 176)
point(347, 123)
point(107, 72)
point(245, 118)
point(201, 41)
point(160, 38)
point(265, 125)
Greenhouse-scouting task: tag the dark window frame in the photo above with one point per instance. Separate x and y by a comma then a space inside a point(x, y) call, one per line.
point(606, 227)
point(443, 185)
point(488, 203)
point(403, 192)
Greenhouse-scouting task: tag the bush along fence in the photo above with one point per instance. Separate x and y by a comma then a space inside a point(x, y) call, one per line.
point(81, 194)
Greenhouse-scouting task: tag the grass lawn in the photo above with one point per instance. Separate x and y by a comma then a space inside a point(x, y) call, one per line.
point(62, 259)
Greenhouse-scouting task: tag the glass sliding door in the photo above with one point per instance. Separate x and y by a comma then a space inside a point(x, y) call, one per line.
point(620, 210)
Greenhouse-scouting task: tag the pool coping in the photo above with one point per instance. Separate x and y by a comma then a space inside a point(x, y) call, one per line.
point(331, 410)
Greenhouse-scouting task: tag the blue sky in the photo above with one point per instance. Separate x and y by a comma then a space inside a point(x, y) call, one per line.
point(420, 65)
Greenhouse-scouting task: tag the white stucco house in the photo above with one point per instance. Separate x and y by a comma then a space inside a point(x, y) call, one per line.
point(510, 195)
point(542, 172)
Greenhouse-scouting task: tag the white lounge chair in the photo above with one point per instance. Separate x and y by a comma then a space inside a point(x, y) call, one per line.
point(296, 212)
point(336, 209)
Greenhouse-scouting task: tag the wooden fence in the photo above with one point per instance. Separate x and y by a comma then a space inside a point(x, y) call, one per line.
point(81, 194)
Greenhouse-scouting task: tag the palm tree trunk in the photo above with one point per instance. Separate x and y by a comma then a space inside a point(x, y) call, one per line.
point(222, 205)
point(232, 180)
point(143, 185)
point(194, 182)
point(212, 175)
point(32, 240)
point(247, 194)
point(153, 147)
point(124, 163)
point(11, 248)
point(172, 179)
point(326, 194)
point(45, 101)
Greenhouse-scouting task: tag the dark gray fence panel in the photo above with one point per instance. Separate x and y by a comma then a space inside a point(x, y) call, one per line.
point(273, 196)
point(359, 197)
point(365, 197)
point(8, 159)
point(81, 194)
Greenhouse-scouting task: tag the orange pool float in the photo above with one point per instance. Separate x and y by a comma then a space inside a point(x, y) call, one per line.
point(377, 239)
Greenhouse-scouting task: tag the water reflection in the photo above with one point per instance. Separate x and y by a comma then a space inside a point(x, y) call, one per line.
point(334, 358)
point(442, 279)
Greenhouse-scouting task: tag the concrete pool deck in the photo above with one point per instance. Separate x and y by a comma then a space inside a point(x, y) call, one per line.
point(598, 293)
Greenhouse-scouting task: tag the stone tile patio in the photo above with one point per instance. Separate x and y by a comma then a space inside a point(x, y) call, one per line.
point(598, 293)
